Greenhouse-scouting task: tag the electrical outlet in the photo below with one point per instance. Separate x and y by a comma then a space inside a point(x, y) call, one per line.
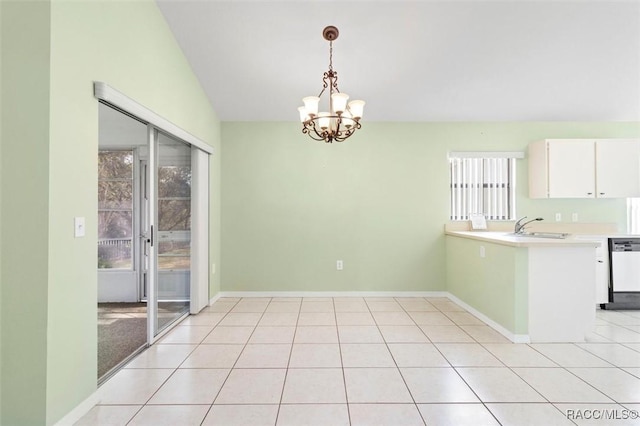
point(558, 217)
point(339, 265)
point(213, 269)
point(574, 217)
point(482, 251)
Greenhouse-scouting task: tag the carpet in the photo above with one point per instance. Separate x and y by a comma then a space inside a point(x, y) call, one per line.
point(122, 329)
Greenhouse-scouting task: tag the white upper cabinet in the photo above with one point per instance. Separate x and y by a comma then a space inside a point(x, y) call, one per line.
point(618, 162)
point(571, 169)
point(584, 168)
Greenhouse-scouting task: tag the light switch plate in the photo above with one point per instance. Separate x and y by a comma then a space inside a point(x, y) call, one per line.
point(78, 227)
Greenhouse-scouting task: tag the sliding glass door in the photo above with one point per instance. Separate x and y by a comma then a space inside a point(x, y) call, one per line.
point(173, 224)
point(153, 191)
point(166, 250)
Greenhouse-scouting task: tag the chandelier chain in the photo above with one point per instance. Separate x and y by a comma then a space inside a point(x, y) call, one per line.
point(331, 55)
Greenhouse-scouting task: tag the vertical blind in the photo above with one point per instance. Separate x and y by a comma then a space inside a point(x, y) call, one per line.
point(482, 186)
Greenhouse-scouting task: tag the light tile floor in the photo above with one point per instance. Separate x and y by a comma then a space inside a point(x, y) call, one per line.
point(371, 361)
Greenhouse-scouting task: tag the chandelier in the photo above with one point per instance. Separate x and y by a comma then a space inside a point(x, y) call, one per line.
point(342, 119)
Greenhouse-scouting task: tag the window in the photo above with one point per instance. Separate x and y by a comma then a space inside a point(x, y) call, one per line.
point(483, 183)
point(115, 209)
point(633, 215)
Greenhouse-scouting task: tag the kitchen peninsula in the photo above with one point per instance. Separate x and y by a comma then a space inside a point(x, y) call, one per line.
point(530, 289)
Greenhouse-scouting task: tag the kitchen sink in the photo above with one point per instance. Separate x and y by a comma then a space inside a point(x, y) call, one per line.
point(557, 235)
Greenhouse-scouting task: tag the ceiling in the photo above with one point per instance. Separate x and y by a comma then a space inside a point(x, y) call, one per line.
point(417, 60)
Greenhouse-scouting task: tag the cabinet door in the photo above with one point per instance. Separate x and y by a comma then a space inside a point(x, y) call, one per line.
point(618, 168)
point(571, 168)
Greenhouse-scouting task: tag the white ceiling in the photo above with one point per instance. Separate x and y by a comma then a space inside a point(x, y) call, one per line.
point(417, 60)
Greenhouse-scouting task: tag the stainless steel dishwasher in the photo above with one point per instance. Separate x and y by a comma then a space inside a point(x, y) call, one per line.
point(624, 273)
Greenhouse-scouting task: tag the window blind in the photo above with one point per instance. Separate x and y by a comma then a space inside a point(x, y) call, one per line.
point(482, 186)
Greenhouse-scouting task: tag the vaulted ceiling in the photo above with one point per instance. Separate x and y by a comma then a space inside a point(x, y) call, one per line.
point(417, 60)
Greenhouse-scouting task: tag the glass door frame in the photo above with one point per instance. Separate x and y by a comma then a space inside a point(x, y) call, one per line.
point(156, 328)
point(152, 217)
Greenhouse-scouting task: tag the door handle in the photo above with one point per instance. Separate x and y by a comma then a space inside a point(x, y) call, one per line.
point(151, 239)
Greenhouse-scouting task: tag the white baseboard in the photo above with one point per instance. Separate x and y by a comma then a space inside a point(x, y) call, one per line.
point(81, 409)
point(214, 298)
point(332, 294)
point(515, 338)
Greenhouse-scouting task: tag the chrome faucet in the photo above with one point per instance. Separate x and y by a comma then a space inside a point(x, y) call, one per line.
point(519, 228)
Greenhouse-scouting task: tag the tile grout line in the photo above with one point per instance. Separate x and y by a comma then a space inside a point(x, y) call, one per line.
point(559, 367)
point(454, 368)
point(578, 377)
point(175, 370)
point(286, 373)
point(415, 404)
point(229, 373)
point(344, 376)
point(235, 362)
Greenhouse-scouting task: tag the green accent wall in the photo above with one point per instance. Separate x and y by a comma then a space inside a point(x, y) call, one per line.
point(495, 285)
point(291, 206)
point(49, 176)
point(1, 121)
point(25, 207)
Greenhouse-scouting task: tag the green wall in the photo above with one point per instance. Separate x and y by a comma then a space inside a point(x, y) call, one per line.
point(1, 96)
point(25, 206)
point(291, 207)
point(495, 285)
point(49, 356)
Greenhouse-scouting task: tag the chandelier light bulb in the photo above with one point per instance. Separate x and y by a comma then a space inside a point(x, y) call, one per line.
point(311, 105)
point(324, 120)
point(356, 108)
point(339, 101)
point(303, 114)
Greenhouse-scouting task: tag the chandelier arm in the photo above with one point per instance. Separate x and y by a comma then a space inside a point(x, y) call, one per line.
point(309, 132)
point(342, 138)
point(322, 135)
point(338, 123)
point(335, 81)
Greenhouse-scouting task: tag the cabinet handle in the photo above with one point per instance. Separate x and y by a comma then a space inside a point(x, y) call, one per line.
point(600, 261)
point(589, 193)
point(602, 193)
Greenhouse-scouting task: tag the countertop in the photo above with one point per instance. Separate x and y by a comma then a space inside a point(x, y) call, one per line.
point(510, 239)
